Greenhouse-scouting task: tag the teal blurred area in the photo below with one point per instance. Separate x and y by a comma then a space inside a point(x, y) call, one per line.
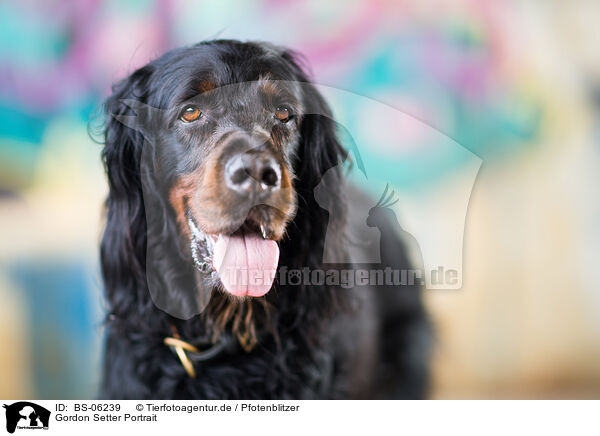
point(509, 82)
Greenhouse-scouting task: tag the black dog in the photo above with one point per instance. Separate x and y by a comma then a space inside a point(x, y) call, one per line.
point(213, 155)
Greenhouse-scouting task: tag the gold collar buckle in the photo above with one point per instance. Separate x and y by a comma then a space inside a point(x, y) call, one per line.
point(180, 348)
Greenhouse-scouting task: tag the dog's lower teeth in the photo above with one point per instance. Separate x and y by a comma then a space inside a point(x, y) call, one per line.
point(263, 231)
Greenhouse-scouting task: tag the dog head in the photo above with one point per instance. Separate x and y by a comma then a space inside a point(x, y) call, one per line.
point(207, 148)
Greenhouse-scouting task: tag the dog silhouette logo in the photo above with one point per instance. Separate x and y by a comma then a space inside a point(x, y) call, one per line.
point(26, 415)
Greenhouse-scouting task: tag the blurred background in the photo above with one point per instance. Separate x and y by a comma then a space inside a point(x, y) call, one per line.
point(515, 83)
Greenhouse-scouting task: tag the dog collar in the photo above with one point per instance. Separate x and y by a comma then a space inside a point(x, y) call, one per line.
point(189, 354)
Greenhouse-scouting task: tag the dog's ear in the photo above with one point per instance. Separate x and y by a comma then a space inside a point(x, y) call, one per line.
point(123, 248)
point(319, 152)
point(319, 149)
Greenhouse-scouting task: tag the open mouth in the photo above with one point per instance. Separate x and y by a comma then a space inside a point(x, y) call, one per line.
point(245, 261)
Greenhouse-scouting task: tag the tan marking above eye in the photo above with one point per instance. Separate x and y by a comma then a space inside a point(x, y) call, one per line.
point(205, 86)
point(189, 114)
point(282, 114)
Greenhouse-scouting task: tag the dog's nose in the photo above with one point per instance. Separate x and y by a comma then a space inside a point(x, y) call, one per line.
point(247, 173)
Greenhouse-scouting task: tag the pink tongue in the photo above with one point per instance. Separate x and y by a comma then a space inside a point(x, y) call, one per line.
point(246, 264)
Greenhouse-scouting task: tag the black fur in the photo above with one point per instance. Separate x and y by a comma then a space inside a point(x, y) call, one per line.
point(313, 342)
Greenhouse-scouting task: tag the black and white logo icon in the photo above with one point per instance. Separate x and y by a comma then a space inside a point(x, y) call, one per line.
point(26, 415)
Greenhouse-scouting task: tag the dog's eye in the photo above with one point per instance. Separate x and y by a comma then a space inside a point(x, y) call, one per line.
point(283, 114)
point(189, 114)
